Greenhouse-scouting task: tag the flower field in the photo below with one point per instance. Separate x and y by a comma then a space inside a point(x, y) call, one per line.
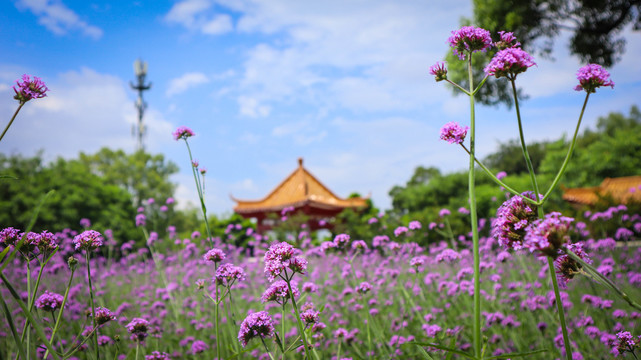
point(370, 299)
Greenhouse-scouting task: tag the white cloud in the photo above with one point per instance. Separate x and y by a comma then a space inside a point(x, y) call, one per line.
point(84, 111)
point(185, 82)
point(251, 107)
point(193, 14)
point(58, 18)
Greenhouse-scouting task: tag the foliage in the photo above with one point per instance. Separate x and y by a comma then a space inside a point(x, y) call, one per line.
point(143, 175)
point(78, 194)
point(595, 27)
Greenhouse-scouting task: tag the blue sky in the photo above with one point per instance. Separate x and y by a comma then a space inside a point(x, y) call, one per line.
point(343, 84)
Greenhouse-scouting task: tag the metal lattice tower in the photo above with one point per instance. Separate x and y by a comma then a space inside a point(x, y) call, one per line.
point(140, 69)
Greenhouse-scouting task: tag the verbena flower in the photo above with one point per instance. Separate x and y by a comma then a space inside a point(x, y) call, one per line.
point(310, 316)
point(508, 40)
point(448, 255)
point(88, 240)
point(439, 71)
point(28, 88)
point(454, 133)
point(104, 315)
point(359, 245)
point(141, 220)
point(625, 342)
point(279, 292)
point(341, 240)
point(199, 346)
point(157, 355)
point(214, 256)
point(364, 287)
point(9, 236)
point(138, 329)
point(183, 132)
point(591, 77)
point(228, 273)
point(49, 301)
point(508, 63)
point(47, 242)
point(469, 39)
point(512, 219)
point(258, 324)
point(566, 267)
point(549, 234)
point(279, 257)
point(414, 225)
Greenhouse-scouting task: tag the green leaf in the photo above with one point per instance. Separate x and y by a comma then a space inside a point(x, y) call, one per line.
point(521, 354)
point(8, 177)
point(16, 338)
point(242, 352)
point(441, 347)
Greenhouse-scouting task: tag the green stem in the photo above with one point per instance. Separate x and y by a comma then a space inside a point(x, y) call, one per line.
point(282, 327)
point(64, 302)
point(17, 340)
point(32, 300)
point(559, 308)
point(569, 154)
point(458, 87)
point(526, 154)
point(93, 307)
point(473, 219)
point(201, 196)
point(137, 348)
point(267, 349)
point(217, 302)
point(301, 328)
point(12, 118)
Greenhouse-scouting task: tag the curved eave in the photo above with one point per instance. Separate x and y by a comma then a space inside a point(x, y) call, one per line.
point(299, 204)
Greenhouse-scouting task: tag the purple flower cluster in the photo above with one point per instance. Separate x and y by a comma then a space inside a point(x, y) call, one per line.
point(549, 234)
point(512, 219)
point(157, 355)
point(104, 315)
point(138, 329)
point(280, 257)
point(591, 77)
point(214, 256)
point(9, 236)
point(508, 40)
point(28, 88)
point(439, 71)
point(279, 292)
point(364, 287)
point(183, 132)
point(509, 63)
point(454, 133)
point(88, 240)
point(49, 301)
point(228, 273)
point(567, 267)
point(469, 39)
point(310, 316)
point(258, 324)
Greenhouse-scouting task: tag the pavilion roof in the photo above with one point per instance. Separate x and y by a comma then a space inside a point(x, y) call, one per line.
point(621, 189)
point(300, 188)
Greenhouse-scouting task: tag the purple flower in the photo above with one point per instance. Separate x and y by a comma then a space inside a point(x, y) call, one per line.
point(9, 236)
point(549, 234)
point(453, 133)
point(512, 219)
point(49, 301)
point(258, 324)
point(508, 40)
point(432, 330)
point(469, 39)
point(279, 292)
point(214, 256)
point(591, 77)
point(141, 220)
point(28, 89)
point(448, 255)
point(417, 261)
point(310, 316)
point(228, 273)
point(310, 287)
point(359, 245)
point(104, 315)
point(138, 329)
point(400, 231)
point(439, 71)
point(509, 63)
point(341, 240)
point(414, 225)
point(88, 240)
point(47, 242)
point(183, 132)
point(444, 213)
point(364, 288)
point(199, 346)
point(85, 223)
point(566, 267)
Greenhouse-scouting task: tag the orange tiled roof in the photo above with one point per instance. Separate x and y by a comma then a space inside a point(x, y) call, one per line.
point(622, 189)
point(298, 189)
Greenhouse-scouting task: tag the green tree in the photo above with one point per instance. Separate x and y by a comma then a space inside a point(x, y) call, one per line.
point(509, 157)
point(78, 194)
point(595, 26)
point(143, 175)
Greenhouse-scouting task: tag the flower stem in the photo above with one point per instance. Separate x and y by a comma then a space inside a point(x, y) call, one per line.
point(267, 349)
point(93, 307)
point(217, 302)
point(199, 188)
point(12, 118)
point(64, 302)
point(474, 221)
point(559, 308)
point(282, 326)
point(301, 328)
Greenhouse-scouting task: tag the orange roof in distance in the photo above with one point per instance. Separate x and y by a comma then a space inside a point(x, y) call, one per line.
point(300, 188)
point(621, 189)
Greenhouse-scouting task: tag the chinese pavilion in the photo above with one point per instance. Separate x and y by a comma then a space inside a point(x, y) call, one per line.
point(300, 192)
point(621, 189)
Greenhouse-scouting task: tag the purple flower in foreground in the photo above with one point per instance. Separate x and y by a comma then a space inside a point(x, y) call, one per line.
point(138, 329)
point(439, 71)
point(277, 259)
point(625, 342)
point(508, 40)
point(549, 234)
point(566, 267)
point(28, 89)
point(49, 301)
point(214, 256)
point(258, 324)
point(469, 39)
point(512, 219)
point(183, 132)
point(508, 63)
point(228, 273)
point(453, 133)
point(591, 77)
point(9, 236)
point(88, 240)
point(47, 242)
point(310, 316)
